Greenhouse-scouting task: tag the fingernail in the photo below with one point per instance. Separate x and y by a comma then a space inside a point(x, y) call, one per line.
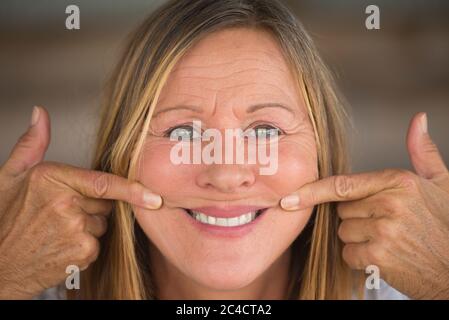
point(153, 201)
point(35, 116)
point(424, 123)
point(290, 202)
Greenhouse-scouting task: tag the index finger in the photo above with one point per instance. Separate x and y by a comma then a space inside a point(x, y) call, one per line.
point(102, 185)
point(341, 188)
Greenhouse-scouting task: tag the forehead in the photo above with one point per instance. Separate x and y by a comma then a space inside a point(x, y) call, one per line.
point(237, 63)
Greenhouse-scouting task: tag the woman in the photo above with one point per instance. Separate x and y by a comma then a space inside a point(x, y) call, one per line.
point(221, 56)
point(251, 54)
point(221, 232)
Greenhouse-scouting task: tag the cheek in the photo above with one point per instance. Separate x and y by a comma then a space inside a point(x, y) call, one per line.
point(157, 172)
point(297, 165)
point(163, 227)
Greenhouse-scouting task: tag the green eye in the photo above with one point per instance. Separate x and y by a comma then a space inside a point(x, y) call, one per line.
point(183, 133)
point(267, 132)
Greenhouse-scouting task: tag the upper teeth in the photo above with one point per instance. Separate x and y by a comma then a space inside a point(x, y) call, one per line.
point(225, 222)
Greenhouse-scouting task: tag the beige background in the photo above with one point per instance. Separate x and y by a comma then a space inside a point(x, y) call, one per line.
point(387, 75)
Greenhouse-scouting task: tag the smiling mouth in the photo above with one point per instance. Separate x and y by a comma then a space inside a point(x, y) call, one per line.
point(236, 221)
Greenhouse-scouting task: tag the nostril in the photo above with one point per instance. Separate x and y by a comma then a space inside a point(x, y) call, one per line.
point(246, 184)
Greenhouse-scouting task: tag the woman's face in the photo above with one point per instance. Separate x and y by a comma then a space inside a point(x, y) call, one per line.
point(232, 79)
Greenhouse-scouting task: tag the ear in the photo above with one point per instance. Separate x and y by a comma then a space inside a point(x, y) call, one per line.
point(32, 145)
point(424, 154)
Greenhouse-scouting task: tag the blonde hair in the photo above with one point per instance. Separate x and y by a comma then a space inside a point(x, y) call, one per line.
point(122, 269)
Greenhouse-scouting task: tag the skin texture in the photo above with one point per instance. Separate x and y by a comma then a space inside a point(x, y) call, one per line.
point(222, 76)
point(51, 214)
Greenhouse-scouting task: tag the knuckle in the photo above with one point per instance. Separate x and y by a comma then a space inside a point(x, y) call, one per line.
point(342, 229)
point(346, 254)
point(343, 186)
point(101, 184)
point(342, 209)
point(313, 198)
point(384, 229)
point(78, 223)
point(407, 179)
point(103, 224)
point(389, 172)
point(108, 207)
point(376, 254)
point(392, 205)
point(38, 172)
point(65, 203)
point(135, 192)
point(88, 249)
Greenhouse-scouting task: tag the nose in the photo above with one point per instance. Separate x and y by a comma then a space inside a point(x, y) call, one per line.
point(226, 178)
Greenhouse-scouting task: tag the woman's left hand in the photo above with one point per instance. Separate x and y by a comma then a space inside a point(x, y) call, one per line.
point(394, 219)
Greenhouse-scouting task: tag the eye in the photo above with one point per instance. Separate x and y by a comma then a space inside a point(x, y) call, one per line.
point(263, 131)
point(183, 133)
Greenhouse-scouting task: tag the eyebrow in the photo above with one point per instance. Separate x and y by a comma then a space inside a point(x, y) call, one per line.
point(251, 109)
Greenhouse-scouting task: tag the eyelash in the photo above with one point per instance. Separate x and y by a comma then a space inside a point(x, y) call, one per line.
point(169, 131)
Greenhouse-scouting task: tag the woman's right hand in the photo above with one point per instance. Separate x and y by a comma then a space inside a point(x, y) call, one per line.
point(51, 215)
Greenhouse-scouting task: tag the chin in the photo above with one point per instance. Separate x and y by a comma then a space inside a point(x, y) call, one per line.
point(225, 278)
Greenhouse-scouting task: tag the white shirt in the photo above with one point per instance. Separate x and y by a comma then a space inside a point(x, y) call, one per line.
point(385, 292)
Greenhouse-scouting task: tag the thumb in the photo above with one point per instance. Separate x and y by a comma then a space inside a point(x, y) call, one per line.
point(424, 154)
point(32, 145)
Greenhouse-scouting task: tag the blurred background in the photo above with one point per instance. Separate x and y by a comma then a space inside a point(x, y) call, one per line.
point(387, 75)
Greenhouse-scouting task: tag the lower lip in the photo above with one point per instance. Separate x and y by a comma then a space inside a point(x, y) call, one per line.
point(226, 232)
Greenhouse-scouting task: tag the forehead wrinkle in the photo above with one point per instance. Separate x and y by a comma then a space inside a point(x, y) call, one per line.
point(219, 52)
point(232, 62)
point(178, 107)
point(213, 86)
point(216, 92)
point(232, 73)
point(256, 83)
point(181, 93)
point(237, 65)
point(232, 55)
